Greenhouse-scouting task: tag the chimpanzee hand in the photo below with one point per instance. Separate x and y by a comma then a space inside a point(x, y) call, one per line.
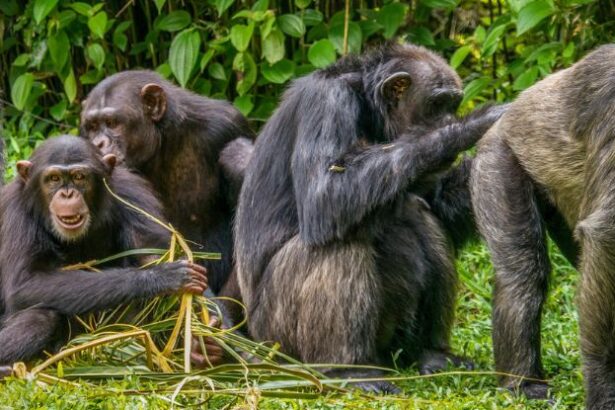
point(214, 354)
point(189, 276)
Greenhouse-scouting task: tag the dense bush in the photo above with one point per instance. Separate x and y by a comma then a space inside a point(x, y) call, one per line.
point(54, 51)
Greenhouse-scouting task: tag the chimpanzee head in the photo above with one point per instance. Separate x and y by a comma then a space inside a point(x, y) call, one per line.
point(408, 86)
point(122, 113)
point(62, 182)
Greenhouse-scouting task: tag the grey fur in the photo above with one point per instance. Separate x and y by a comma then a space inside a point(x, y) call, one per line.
point(547, 164)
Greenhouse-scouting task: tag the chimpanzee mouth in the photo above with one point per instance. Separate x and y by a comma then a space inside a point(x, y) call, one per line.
point(71, 222)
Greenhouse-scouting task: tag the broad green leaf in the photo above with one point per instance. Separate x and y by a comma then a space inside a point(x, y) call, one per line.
point(59, 49)
point(302, 3)
point(244, 104)
point(97, 54)
point(273, 46)
point(355, 37)
point(42, 8)
point(391, 17)
point(82, 8)
point(459, 56)
point(119, 38)
point(216, 71)
point(491, 41)
point(21, 60)
point(20, 91)
point(175, 21)
point(207, 56)
point(98, 24)
point(526, 79)
point(9, 7)
point(249, 74)
point(312, 17)
point(291, 25)
point(183, 54)
point(439, 4)
point(223, 5)
point(164, 70)
point(70, 86)
point(58, 110)
point(261, 5)
point(278, 73)
point(241, 35)
point(421, 35)
point(159, 5)
point(91, 77)
point(474, 88)
point(369, 27)
point(321, 53)
point(66, 17)
point(532, 14)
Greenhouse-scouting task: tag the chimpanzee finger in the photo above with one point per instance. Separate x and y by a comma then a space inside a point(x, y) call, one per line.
point(192, 288)
point(199, 282)
point(199, 268)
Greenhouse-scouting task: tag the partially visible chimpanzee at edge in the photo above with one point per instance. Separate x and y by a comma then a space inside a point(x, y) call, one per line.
point(338, 259)
point(174, 138)
point(58, 213)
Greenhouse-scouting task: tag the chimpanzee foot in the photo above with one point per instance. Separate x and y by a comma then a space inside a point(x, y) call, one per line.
point(532, 390)
point(433, 361)
point(5, 371)
point(376, 386)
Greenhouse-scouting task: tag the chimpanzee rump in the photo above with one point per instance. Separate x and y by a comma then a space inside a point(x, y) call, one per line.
point(547, 165)
point(58, 213)
point(337, 258)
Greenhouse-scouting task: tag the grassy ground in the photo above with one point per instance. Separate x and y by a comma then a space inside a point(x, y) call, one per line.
point(466, 391)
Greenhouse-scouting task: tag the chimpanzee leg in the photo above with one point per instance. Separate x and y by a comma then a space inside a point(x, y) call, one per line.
point(415, 245)
point(508, 217)
point(322, 304)
point(597, 302)
point(25, 334)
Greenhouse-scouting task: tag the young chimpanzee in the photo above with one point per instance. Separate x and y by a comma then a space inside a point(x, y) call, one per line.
point(58, 213)
point(338, 258)
point(174, 138)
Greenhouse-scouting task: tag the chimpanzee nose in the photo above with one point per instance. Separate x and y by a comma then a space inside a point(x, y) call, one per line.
point(102, 143)
point(67, 193)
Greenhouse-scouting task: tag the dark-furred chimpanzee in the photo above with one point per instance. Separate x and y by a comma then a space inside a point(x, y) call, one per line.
point(548, 165)
point(58, 213)
point(337, 258)
point(174, 139)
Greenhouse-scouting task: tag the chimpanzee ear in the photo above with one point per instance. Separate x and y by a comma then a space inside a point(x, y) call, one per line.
point(154, 101)
point(110, 160)
point(394, 86)
point(23, 168)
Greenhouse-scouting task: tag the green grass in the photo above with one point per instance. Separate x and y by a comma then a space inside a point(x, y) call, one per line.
point(472, 338)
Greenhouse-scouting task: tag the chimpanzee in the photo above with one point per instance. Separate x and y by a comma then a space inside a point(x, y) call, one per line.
point(58, 213)
point(547, 165)
point(337, 258)
point(174, 139)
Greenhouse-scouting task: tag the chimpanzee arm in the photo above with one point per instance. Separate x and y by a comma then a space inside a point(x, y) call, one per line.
point(77, 292)
point(337, 184)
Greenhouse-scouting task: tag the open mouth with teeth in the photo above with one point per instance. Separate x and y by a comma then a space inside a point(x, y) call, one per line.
point(71, 222)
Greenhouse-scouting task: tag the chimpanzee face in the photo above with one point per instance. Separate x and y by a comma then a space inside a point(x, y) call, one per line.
point(67, 187)
point(421, 90)
point(120, 120)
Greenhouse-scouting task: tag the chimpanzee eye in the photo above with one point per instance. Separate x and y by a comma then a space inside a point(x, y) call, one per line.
point(78, 176)
point(92, 126)
point(111, 123)
point(54, 178)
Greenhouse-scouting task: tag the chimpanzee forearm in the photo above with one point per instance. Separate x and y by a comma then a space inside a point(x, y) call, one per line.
point(77, 292)
point(344, 190)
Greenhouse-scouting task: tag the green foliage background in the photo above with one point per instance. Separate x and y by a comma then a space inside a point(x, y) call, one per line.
point(54, 51)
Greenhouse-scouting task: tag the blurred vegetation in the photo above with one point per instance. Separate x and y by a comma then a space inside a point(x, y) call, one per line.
point(54, 51)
